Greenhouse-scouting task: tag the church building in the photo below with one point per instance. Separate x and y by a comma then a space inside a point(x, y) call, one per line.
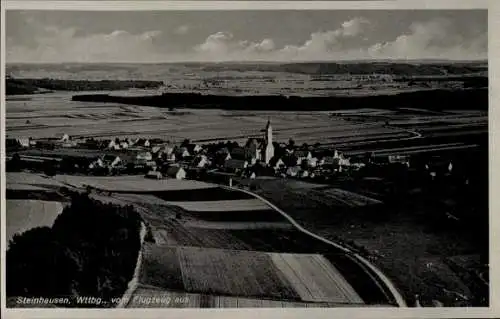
point(257, 149)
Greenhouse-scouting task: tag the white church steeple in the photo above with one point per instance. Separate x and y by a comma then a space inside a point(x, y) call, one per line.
point(269, 151)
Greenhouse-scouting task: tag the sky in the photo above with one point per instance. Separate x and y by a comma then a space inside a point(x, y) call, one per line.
point(294, 35)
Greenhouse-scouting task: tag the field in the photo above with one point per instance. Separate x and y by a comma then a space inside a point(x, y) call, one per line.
point(29, 181)
point(401, 242)
point(150, 297)
point(234, 225)
point(315, 279)
point(247, 274)
point(22, 215)
point(194, 240)
point(342, 197)
point(407, 130)
point(130, 183)
point(354, 131)
point(54, 114)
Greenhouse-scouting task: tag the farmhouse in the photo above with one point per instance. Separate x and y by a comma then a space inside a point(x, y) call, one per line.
point(183, 152)
point(303, 155)
point(312, 162)
point(293, 171)
point(200, 161)
point(65, 138)
point(144, 157)
point(176, 172)
point(113, 145)
point(168, 149)
point(171, 157)
point(24, 142)
point(194, 148)
point(155, 149)
point(111, 160)
point(154, 175)
point(276, 163)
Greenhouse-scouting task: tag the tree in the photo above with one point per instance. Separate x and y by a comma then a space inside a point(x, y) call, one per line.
point(185, 142)
point(38, 264)
point(49, 168)
point(67, 164)
point(304, 165)
point(15, 164)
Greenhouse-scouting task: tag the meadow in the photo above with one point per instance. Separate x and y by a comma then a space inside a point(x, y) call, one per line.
point(23, 214)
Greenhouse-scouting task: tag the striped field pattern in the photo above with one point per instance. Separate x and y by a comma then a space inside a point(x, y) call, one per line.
point(315, 279)
point(227, 205)
point(237, 273)
point(245, 278)
point(218, 249)
point(131, 184)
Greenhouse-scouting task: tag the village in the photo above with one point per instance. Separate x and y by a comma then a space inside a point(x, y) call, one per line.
point(218, 162)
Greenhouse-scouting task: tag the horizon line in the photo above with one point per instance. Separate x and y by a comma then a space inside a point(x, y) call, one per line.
point(430, 60)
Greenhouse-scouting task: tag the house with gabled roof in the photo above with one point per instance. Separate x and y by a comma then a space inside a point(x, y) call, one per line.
point(176, 172)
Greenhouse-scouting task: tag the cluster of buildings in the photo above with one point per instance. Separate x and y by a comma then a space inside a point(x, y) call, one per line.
point(259, 156)
point(157, 158)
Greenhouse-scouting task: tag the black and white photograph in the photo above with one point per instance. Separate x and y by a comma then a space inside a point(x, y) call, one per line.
point(246, 159)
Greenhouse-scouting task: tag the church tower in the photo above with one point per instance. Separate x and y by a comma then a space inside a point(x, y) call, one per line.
point(269, 151)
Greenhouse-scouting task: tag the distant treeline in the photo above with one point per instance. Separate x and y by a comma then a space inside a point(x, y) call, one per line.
point(430, 99)
point(391, 68)
point(31, 86)
point(468, 81)
point(91, 250)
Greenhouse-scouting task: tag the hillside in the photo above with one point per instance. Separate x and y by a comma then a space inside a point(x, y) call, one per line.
point(33, 86)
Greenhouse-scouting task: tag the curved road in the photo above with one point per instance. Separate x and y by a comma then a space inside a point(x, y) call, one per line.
point(397, 296)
